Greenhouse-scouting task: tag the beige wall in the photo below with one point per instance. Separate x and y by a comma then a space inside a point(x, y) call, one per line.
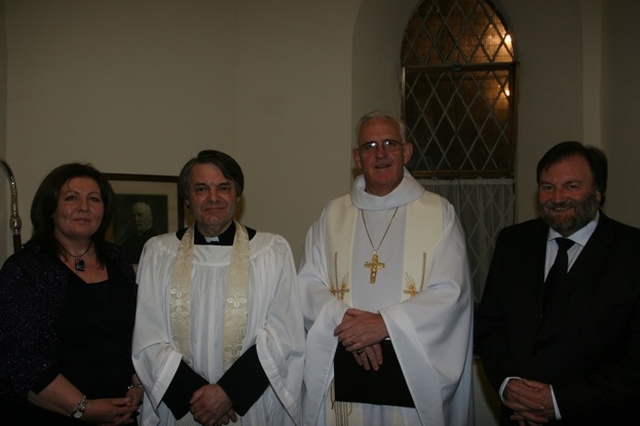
point(5, 231)
point(548, 37)
point(140, 87)
point(621, 109)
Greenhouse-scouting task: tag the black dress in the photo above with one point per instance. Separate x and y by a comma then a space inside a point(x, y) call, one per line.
point(94, 328)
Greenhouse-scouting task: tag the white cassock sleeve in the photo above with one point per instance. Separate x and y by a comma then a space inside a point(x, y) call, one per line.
point(154, 357)
point(323, 312)
point(280, 340)
point(432, 333)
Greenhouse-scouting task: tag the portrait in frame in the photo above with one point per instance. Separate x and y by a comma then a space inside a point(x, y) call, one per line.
point(144, 206)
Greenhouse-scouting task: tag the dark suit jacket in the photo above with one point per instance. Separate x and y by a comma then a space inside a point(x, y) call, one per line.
point(587, 343)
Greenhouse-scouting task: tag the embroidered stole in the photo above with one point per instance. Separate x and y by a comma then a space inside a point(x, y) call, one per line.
point(236, 302)
point(424, 231)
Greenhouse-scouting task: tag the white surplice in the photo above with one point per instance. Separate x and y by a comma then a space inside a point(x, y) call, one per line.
point(430, 331)
point(274, 325)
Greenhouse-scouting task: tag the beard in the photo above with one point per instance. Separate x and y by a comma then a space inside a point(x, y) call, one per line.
point(566, 224)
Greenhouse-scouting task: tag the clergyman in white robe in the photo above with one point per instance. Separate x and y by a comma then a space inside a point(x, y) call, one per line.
point(423, 293)
point(273, 327)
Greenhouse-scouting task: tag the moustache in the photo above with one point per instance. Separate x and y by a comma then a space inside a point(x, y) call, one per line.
point(562, 205)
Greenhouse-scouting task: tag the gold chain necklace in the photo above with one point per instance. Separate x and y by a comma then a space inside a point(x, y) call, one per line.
point(374, 265)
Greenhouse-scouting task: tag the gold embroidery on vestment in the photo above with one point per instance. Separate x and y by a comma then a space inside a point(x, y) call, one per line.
point(410, 282)
point(342, 289)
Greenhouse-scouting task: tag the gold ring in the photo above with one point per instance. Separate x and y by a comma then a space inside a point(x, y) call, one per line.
point(359, 351)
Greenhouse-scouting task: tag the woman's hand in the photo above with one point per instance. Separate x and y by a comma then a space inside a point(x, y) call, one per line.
point(110, 411)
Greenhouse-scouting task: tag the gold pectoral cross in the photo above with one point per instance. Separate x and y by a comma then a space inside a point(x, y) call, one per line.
point(374, 265)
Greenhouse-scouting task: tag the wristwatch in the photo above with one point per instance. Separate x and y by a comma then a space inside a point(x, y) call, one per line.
point(78, 410)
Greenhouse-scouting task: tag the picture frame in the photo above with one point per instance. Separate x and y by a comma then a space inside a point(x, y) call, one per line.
point(144, 206)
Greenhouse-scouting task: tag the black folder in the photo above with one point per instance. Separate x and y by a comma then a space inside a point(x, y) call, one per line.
point(387, 386)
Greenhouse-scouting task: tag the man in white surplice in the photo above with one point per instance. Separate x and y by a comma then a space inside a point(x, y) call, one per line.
point(218, 335)
point(386, 265)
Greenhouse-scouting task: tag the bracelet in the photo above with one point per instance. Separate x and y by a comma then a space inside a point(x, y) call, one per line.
point(78, 410)
point(135, 385)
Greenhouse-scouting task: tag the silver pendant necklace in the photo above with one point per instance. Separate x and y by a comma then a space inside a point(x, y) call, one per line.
point(78, 261)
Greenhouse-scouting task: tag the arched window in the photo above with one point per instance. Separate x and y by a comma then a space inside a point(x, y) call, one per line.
point(459, 91)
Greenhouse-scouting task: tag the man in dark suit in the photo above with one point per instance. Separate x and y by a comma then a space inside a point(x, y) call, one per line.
point(566, 350)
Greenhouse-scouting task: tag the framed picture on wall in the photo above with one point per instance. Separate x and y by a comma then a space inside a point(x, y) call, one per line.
point(144, 206)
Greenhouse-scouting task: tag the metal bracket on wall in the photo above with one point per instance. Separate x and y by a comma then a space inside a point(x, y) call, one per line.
point(14, 222)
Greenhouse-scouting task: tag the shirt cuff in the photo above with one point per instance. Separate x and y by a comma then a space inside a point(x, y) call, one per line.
point(504, 385)
point(555, 404)
point(182, 386)
point(245, 381)
point(553, 395)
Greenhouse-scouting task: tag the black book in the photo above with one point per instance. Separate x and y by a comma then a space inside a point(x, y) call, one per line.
point(387, 386)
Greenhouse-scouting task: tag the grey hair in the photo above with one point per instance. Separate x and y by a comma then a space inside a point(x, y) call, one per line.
point(381, 114)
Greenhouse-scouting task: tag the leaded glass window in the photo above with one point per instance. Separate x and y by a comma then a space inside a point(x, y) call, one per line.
point(458, 88)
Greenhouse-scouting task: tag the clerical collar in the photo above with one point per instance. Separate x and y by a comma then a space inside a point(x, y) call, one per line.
point(224, 239)
point(409, 190)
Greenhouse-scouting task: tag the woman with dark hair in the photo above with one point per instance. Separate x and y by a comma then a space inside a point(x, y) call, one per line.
point(67, 308)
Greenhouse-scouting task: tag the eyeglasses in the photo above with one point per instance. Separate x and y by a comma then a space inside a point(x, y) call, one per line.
point(389, 145)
